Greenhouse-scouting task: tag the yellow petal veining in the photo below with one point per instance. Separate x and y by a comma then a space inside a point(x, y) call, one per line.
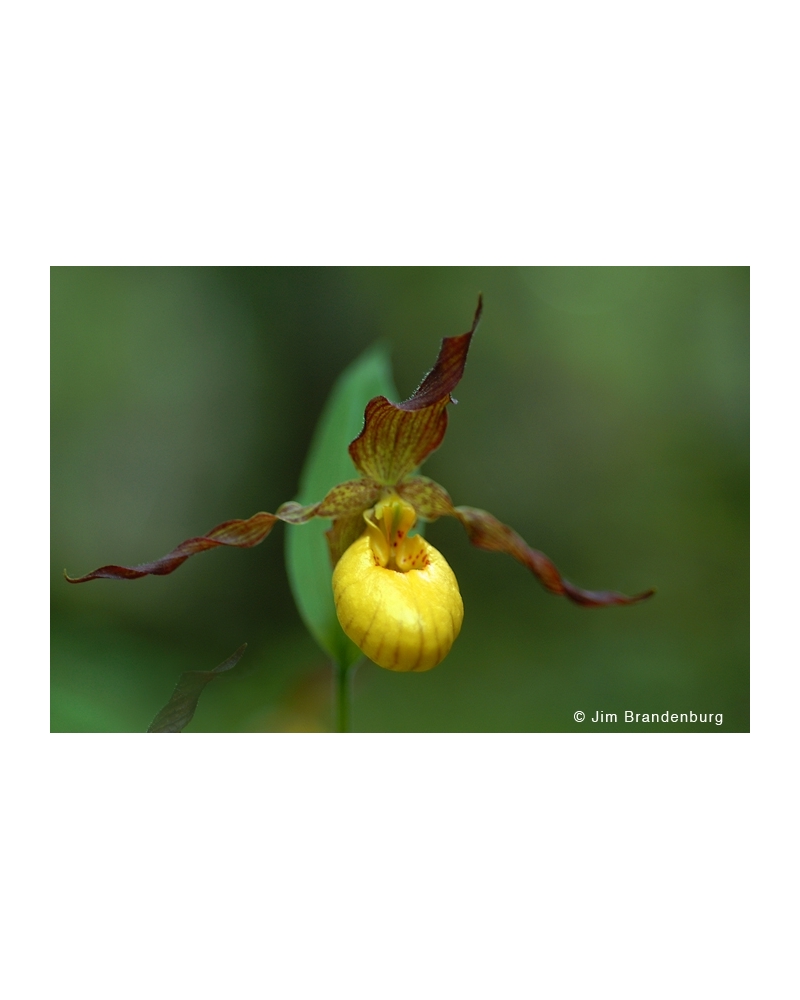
point(396, 596)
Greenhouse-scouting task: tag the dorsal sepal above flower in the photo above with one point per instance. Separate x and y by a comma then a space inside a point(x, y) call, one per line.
point(397, 437)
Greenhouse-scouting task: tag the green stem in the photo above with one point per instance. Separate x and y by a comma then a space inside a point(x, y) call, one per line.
point(343, 696)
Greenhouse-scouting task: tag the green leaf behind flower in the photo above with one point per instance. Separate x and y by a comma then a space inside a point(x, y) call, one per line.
point(329, 463)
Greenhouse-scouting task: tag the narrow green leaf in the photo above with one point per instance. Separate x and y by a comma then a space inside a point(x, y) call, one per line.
point(328, 463)
point(179, 710)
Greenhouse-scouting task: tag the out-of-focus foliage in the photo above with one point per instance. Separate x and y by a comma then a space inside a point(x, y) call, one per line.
point(603, 414)
point(179, 711)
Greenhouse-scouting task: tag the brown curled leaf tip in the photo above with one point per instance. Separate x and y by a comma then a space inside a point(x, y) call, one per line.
point(397, 437)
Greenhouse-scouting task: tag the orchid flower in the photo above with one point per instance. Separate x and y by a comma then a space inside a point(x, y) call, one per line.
point(395, 595)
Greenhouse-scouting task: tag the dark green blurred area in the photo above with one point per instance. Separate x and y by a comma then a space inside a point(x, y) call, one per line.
point(603, 414)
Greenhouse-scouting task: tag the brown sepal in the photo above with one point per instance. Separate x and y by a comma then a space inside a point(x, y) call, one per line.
point(486, 532)
point(397, 437)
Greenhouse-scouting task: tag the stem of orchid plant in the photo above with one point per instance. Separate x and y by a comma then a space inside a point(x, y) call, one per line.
point(343, 696)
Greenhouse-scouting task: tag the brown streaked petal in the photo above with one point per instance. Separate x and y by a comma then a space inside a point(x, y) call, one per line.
point(429, 499)
point(486, 532)
point(342, 533)
point(397, 437)
point(179, 711)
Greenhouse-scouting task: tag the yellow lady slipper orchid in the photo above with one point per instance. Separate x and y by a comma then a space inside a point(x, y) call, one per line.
point(395, 595)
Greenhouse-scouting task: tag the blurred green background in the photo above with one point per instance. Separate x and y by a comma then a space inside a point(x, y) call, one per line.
point(603, 414)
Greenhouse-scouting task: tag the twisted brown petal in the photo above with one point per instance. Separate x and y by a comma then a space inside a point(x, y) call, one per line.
point(486, 532)
point(397, 437)
point(345, 499)
point(242, 534)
